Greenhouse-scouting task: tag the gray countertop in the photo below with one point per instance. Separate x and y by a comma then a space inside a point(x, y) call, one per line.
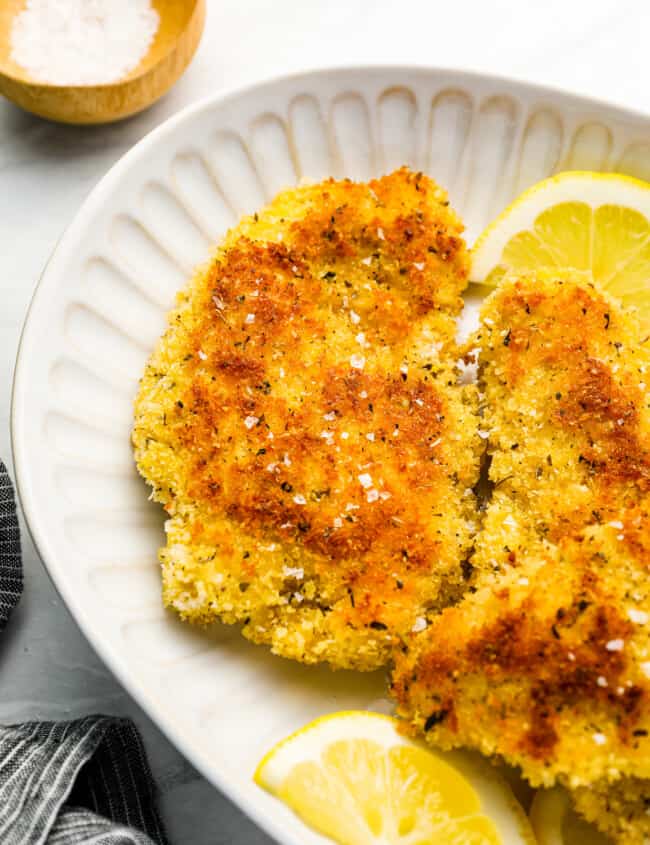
point(47, 669)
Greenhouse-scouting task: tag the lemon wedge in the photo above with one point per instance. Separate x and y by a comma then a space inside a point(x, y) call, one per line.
point(353, 777)
point(598, 223)
point(555, 822)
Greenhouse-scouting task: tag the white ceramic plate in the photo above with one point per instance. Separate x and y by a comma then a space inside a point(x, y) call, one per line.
point(101, 305)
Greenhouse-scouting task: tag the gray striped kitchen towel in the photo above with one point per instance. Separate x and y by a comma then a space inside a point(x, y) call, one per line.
point(68, 783)
point(11, 570)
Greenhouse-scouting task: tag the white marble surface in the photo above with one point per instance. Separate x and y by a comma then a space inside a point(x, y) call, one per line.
point(594, 47)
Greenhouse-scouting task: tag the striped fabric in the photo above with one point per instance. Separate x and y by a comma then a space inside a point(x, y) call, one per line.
point(85, 782)
point(11, 570)
point(76, 782)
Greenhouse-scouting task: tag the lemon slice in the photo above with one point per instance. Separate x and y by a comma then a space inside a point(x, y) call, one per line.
point(595, 222)
point(555, 822)
point(354, 778)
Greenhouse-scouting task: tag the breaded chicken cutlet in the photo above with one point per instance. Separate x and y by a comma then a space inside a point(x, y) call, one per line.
point(546, 661)
point(301, 423)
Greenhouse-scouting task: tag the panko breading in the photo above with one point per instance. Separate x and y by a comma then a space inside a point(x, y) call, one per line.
point(546, 662)
point(619, 810)
point(301, 423)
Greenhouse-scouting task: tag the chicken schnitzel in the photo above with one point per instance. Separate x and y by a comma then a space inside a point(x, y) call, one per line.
point(301, 423)
point(619, 810)
point(546, 661)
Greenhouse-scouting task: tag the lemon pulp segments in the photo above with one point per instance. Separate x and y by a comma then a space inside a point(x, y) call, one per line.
point(360, 793)
point(606, 239)
point(354, 777)
point(611, 242)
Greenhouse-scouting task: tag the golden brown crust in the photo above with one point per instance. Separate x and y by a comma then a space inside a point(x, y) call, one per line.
point(619, 809)
point(302, 425)
point(547, 662)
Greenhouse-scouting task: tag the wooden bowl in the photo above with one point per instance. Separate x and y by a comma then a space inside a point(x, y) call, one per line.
point(178, 36)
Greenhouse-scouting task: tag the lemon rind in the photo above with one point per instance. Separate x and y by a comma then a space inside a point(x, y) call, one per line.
point(594, 189)
point(383, 729)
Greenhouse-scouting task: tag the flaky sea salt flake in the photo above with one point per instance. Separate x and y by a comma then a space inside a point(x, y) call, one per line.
point(639, 617)
point(296, 572)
